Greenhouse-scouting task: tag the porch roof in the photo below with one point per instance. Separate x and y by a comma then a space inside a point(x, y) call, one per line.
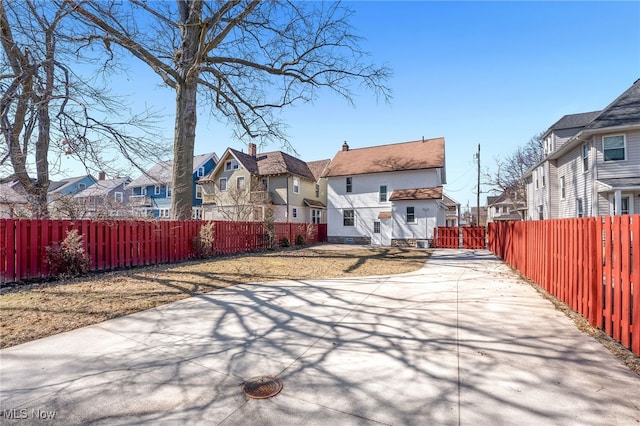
point(417, 194)
point(606, 185)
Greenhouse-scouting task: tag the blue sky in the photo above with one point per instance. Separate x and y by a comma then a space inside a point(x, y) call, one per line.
point(489, 73)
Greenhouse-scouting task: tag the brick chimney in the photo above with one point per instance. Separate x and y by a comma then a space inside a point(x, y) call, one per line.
point(345, 146)
point(252, 149)
point(101, 176)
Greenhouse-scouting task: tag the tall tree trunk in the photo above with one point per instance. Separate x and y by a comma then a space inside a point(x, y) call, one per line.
point(187, 64)
point(183, 146)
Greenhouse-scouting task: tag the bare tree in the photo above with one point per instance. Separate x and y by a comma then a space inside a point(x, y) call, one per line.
point(509, 170)
point(235, 203)
point(248, 58)
point(48, 111)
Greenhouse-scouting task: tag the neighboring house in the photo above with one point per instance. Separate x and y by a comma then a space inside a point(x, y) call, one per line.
point(452, 215)
point(592, 164)
point(60, 196)
point(470, 216)
point(247, 186)
point(106, 198)
point(386, 195)
point(13, 202)
point(505, 206)
point(151, 192)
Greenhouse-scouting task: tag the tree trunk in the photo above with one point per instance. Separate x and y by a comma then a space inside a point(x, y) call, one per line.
point(183, 145)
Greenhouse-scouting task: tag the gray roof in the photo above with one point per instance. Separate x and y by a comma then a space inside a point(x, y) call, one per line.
point(162, 173)
point(103, 187)
point(625, 110)
point(621, 182)
point(61, 184)
point(573, 121)
point(10, 195)
point(448, 201)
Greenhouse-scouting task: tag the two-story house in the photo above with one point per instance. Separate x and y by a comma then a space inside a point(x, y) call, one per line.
point(151, 192)
point(13, 201)
point(246, 186)
point(452, 215)
point(592, 163)
point(60, 196)
point(106, 198)
point(386, 195)
point(506, 206)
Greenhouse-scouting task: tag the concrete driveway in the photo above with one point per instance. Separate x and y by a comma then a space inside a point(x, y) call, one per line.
point(462, 341)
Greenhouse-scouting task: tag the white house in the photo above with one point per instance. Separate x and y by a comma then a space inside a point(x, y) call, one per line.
point(386, 195)
point(592, 163)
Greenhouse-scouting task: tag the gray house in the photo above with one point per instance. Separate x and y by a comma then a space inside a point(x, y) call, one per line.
point(106, 198)
point(592, 163)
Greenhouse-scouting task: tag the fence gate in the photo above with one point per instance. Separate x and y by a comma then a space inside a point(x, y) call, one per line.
point(468, 237)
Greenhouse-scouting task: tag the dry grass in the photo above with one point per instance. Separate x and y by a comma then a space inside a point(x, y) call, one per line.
point(32, 312)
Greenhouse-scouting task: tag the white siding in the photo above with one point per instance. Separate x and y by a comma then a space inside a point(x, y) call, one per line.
point(578, 184)
point(364, 200)
point(619, 169)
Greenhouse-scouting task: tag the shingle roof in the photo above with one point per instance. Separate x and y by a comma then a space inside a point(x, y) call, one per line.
point(574, 121)
point(102, 187)
point(448, 201)
point(416, 194)
point(162, 172)
point(414, 155)
point(317, 168)
point(10, 195)
point(274, 163)
point(623, 111)
point(61, 184)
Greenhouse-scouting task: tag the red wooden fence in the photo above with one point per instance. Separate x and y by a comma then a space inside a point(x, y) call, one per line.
point(124, 243)
point(591, 264)
point(473, 237)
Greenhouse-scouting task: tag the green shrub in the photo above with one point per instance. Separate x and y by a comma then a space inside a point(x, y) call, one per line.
point(284, 242)
point(68, 258)
point(300, 240)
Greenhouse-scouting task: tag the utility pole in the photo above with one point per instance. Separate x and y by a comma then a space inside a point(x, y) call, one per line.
point(478, 193)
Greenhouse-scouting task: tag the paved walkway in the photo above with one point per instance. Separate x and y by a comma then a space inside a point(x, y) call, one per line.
point(462, 341)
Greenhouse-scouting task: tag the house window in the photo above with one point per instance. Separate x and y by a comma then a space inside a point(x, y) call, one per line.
point(537, 181)
point(579, 208)
point(265, 184)
point(542, 176)
point(294, 212)
point(383, 193)
point(157, 190)
point(118, 196)
point(563, 191)
point(411, 215)
point(315, 216)
point(317, 190)
point(257, 213)
point(540, 212)
point(585, 158)
point(169, 191)
point(199, 192)
point(81, 186)
point(240, 183)
point(222, 183)
point(624, 205)
point(296, 185)
point(376, 227)
point(348, 218)
point(614, 148)
point(349, 184)
point(200, 171)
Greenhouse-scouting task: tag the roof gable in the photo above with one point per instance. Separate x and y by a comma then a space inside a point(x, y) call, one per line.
point(416, 155)
point(267, 164)
point(623, 111)
point(162, 172)
point(103, 187)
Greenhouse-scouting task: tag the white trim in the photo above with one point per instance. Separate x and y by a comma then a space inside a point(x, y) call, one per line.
point(220, 180)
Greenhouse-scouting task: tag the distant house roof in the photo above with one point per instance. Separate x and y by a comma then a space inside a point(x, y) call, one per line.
point(416, 155)
point(416, 194)
point(448, 201)
point(276, 163)
point(623, 111)
point(59, 186)
point(162, 172)
point(492, 199)
point(103, 187)
point(8, 195)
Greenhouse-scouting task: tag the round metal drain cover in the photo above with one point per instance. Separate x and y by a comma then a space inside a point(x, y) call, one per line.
point(262, 387)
